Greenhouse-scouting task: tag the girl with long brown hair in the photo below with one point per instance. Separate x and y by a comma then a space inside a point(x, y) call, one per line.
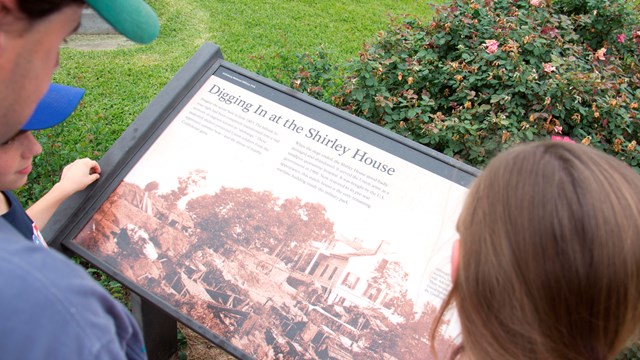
point(548, 261)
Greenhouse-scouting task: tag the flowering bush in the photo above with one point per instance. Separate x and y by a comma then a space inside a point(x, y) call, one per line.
point(596, 21)
point(481, 76)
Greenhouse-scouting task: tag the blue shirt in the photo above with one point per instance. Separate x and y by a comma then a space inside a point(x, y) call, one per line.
point(50, 308)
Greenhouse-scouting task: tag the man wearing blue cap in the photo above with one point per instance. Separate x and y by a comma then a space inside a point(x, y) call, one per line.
point(49, 307)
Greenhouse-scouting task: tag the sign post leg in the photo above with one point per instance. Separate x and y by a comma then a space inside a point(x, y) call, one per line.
point(158, 328)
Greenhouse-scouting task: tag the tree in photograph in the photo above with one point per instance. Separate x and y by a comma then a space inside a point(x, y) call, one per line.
point(152, 186)
point(390, 277)
point(239, 216)
point(406, 340)
point(259, 220)
point(185, 185)
point(304, 223)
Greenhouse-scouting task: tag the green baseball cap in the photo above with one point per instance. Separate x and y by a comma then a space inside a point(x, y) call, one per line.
point(134, 19)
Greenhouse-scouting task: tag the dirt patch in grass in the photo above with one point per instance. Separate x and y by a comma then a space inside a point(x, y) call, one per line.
point(199, 348)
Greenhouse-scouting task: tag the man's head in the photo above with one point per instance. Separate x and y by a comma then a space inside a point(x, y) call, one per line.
point(31, 32)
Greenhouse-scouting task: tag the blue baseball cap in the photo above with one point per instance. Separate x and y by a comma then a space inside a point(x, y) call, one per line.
point(55, 106)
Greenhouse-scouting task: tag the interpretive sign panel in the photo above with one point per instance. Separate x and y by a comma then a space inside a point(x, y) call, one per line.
point(277, 226)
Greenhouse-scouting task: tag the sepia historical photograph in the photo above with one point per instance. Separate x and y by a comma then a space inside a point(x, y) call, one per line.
point(268, 274)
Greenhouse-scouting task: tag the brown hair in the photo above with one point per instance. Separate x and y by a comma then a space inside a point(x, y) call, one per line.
point(549, 256)
point(38, 9)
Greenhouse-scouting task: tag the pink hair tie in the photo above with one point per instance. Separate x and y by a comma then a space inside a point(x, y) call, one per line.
point(561, 138)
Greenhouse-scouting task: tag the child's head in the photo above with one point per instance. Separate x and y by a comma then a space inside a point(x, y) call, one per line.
point(17, 153)
point(549, 262)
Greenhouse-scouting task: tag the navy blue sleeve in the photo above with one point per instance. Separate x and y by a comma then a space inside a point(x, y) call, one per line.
point(17, 216)
point(51, 308)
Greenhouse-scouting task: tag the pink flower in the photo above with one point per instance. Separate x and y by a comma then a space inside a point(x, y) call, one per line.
point(536, 3)
point(549, 30)
point(491, 45)
point(600, 53)
point(558, 129)
point(621, 38)
point(548, 68)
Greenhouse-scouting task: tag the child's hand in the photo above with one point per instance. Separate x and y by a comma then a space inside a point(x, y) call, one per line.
point(78, 175)
point(75, 177)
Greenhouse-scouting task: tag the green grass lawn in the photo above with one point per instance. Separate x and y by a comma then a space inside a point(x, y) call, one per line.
point(256, 35)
